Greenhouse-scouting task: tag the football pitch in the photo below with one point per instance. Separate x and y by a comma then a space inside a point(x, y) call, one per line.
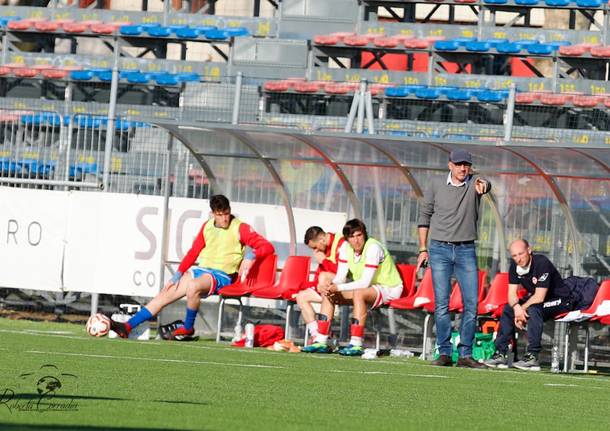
point(54, 376)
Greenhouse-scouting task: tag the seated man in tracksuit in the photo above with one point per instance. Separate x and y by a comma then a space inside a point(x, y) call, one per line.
point(548, 296)
point(376, 281)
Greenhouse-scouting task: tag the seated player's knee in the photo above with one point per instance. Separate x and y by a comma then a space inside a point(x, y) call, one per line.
point(301, 298)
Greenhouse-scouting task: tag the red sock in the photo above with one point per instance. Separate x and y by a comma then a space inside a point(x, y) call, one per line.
point(323, 327)
point(357, 330)
point(128, 327)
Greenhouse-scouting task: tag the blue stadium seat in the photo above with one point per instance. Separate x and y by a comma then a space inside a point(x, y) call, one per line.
point(557, 3)
point(491, 96)
point(105, 76)
point(445, 90)
point(216, 35)
point(446, 45)
point(35, 167)
point(187, 33)
point(237, 31)
point(496, 1)
point(460, 95)
point(8, 167)
point(203, 28)
point(188, 77)
point(159, 31)
point(175, 27)
point(78, 169)
point(540, 49)
point(526, 2)
point(165, 79)
point(89, 121)
point(44, 119)
point(462, 41)
point(137, 78)
point(130, 30)
point(508, 48)
point(493, 43)
point(123, 74)
point(478, 46)
point(556, 44)
point(400, 91)
point(81, 75)
point(430, 93)
point(459, 137)
point(594, 4)
point(526, 42)
point(4, 20)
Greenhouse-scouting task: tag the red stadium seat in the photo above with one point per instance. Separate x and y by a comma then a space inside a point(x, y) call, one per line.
point(555, 99)
point(4, 70)
point(409, 277)
point(386, 42)
point(415, 43)
point(424, 297)
point(376, 89)
point(497, 295)
point(356, 40)
point(465, 1)
point(75, 27)
point(338, 88)
point(585, 101)
point(25, 72)
point(326, 40)
point(277, 86)
point(603, 295)
point(294, 274)
point(306, 87)
point(526, 98)
point(47, 26)
point(600, 51)
point(24, 24)
point(54, 73)
point(103, 28)
point(572, 50)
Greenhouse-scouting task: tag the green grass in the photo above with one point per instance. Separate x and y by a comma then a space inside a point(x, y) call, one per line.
point(123, 384)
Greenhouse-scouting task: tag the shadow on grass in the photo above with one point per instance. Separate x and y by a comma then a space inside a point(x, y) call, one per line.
point(193, 403)
point(28, 397)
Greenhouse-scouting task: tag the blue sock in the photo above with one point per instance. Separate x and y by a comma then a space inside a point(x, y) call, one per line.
point(189, 320)
point(140, 317)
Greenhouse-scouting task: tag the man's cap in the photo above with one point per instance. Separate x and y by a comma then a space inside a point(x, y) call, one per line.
point(460, 156)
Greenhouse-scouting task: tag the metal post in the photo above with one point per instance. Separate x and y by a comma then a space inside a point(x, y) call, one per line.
point(166, 10)
point(555, 72)
point(361, 96)
point(67, 130)
point(4, 46)
point(237, 98)
point(164, 214)
point(352, 113)
point(510, 114)
point(369, 113)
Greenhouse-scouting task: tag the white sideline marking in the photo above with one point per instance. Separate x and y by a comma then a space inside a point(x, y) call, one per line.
point(40, 334)
point(563, 385)
point(180, 361)
point(36, 331)
point(391, 374)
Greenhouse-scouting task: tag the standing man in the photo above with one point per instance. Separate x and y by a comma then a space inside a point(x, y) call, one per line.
point(450, 213)
point(325, 247)
point(220, 256)
point(548, 295)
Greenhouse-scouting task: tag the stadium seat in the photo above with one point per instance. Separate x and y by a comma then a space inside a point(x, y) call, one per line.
point(493, 43)
point(188, 77)
point(593, 4)
point(386, 42)
point(5, 70)
point(526, 2)
point(8, 167)
point(103, 28)
point(526, 98)
point(47, 26)
point(540, 49)
point(165, 79)
point(136, 77)
point(600, 51)
point(585, 101)
point(356, 40)
point(409, 277)
point(338, 88)
point(236, 31)
point(306, 87)
point(573, 50)
point(508, 48)
point(203, 28)
point(497, 296)
point(24, 24)
point(130, 30)
point(215, 34)
point(187, 33)
point(159, 31)
point(496, 1)
point(492, 96)
point(75, 27)
point(25, 72)
point(399, 91)
point(429, 93)
point(277, 86)
point(446, 45)
point(554, 99)
point(557, 3)
point(455, 300)
point(478, 46)
point(262, 274)
point(325, 40)
point(460, 95)
point(81, 75)
point(416, 43)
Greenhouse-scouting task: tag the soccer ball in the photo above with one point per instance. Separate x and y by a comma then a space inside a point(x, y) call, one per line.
point(98, 325)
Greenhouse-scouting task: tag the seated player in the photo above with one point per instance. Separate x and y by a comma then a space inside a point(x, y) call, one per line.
point(219, 250)
point(325, 246)
point(376, 282)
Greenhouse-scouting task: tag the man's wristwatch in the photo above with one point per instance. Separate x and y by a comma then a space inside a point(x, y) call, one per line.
point(423, 250)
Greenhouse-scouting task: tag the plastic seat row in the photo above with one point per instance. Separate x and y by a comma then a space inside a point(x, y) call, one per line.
point(558, 99)
point(376, 40)
point(502, 46)
point(311, 87)
point(123, 28)
point(450, 93)
point(25, 167)
point(591, 4)
point(80, 120)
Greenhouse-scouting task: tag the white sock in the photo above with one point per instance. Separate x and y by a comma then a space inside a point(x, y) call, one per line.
point(356, 341)
point(312, 327)
point(321, 338)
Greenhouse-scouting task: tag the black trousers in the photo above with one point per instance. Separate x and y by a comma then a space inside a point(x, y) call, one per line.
point(538, 314)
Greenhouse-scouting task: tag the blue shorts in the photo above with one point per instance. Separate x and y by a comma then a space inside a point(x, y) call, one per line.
point(220, 278)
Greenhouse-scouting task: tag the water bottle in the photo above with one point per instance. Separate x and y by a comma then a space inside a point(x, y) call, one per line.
point(555, 360)
point(249, 335)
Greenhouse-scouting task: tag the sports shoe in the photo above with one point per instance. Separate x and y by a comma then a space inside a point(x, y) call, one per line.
point(351, 350)
point(317, 348)
point(165, 331)
point(122, 329)
point(443, 361)
point(498, 360)
point(183, 334)
point(469, 362)
point(528, 363)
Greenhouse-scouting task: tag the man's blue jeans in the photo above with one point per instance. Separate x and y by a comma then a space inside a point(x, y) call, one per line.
point(447, 259)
